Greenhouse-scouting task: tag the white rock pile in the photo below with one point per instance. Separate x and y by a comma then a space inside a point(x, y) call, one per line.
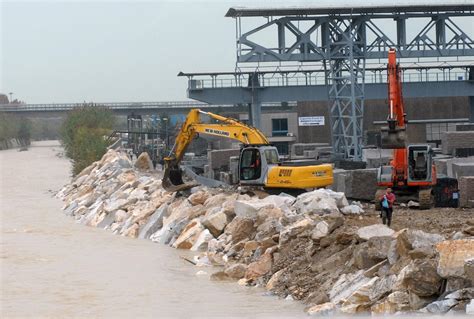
point(299, 247)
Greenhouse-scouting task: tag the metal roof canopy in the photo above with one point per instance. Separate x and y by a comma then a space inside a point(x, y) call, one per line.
point(235, 12)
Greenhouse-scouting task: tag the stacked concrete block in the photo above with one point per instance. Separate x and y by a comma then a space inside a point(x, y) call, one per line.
point(466, 190)
point(309, 154)
point(451, 161)
point(463, 169)
point(441, 166)
point(356, 184)
point(298, 149)
point(219, 159)
point(376, 157)
point(323, 152)
point(363, 184)
point(234, 169)
point(450, 141)
point(339, 180)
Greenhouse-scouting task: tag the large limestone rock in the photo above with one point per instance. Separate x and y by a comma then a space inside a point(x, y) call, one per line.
point(421, 278)
point(452, 257)
point(382, 287)
point(303, 226)
point(215, 222)
point(274, 280)
point(155, 222)
point(416, 243)
point(352, 210)
point(470, 308)
point(240, 228)
point(259, 268)
point(236, 271)
point(371, 252)
point(377, 230)
point(189, 235)
point(202, 242)
point(346, 285)
point(113, 205)
point(316, 202)
point(325, 309)
point(396, 301)
point(144, 162)
point(199, 198)
point(250, 208)
point(359, 300)
point(441, 306)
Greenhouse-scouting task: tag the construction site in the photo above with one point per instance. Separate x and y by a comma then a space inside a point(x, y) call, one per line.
point(279, 174)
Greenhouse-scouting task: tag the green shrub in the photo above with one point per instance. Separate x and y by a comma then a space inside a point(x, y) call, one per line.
point(84, 135)
point(14, 127)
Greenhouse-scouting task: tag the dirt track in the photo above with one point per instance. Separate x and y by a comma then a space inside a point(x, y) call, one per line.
point(446, 221)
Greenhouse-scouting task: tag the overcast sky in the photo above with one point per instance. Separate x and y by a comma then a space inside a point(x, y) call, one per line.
point(109, 51)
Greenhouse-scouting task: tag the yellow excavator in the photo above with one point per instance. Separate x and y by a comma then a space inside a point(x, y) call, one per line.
point(259, 161)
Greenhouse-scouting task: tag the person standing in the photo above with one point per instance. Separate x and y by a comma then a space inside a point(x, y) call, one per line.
point(386, 203)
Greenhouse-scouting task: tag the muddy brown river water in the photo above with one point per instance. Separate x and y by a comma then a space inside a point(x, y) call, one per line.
point(51, 267)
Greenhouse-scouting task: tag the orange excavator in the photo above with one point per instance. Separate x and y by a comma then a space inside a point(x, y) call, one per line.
point(411, 173)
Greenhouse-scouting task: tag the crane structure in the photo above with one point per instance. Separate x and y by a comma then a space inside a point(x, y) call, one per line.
point(259, 161)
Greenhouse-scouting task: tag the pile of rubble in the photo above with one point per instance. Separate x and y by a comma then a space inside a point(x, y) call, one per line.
point(302, 248)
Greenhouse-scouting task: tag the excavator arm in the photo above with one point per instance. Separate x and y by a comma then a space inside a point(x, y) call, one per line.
point(394, 135)
point(227, 128)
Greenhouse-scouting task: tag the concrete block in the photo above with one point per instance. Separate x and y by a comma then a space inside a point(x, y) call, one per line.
point(339, 184)
point(376, 157)
point(323, 152)
point(234, 169)
point(456, 160)
point(466, 190)
point(441, 166)
point(219, 159)
point(309, 154)
point(452, 140)
point(363, 184)
point(463, 169)
point(356, 184)
point(298, 149)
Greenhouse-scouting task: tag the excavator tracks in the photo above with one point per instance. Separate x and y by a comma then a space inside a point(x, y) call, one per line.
point(425, 198)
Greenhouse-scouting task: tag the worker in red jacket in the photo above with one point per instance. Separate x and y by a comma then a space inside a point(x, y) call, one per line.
point(386, 203)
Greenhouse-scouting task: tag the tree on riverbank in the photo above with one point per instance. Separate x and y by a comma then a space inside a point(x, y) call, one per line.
point(84, 135)
point(13, 127)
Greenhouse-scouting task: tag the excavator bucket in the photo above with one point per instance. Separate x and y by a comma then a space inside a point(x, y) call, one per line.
point(393, 138)
point(173, 180)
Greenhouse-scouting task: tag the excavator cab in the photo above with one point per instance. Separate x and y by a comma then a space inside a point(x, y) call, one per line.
point(254, 163)
point(420, 162)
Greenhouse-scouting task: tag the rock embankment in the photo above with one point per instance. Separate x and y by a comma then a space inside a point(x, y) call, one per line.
point(305, 248)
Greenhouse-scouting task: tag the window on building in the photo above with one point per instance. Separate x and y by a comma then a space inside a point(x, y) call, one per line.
point(282, 147)
point(279, 127)
point(434, 131)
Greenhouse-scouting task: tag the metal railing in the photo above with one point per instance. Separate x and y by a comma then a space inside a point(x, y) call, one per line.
point(114, 106)
point(305, 78)
point(64, 107)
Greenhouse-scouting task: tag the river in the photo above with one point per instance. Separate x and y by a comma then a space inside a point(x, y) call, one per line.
point(51, 267)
